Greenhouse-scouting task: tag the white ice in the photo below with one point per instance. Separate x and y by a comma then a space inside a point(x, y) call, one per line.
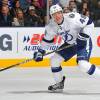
point(32, 84)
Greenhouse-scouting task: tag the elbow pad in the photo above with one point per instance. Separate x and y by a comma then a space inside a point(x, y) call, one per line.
point(82, 40)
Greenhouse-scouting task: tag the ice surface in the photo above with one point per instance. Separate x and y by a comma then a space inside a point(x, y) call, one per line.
point(32, 84)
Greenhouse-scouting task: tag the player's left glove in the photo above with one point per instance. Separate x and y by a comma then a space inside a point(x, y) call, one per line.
point(38, 55)
point(82, 41)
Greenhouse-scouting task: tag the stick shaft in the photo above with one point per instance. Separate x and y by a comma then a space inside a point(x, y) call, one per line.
point(25, 61)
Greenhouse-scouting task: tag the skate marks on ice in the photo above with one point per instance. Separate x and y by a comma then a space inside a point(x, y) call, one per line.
point(68, 92)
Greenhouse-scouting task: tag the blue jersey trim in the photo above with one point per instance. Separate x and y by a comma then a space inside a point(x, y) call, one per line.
point(89, 21)
point(91, 70)
point(48, 41)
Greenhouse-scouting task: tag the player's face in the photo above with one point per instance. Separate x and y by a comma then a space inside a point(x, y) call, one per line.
point(58, 17)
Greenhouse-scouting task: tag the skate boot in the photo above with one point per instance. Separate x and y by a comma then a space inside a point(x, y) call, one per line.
point(58, 87)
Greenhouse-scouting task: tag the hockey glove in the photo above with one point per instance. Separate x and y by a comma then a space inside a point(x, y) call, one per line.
point(81, 41)
point(38, 56)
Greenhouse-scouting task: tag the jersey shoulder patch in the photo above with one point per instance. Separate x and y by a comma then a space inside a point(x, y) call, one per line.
point(71, 15)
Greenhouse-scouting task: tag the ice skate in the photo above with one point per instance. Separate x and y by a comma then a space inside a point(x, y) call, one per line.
point(58, 87)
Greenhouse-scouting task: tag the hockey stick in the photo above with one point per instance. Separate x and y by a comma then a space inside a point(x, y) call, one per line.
point(25, 61)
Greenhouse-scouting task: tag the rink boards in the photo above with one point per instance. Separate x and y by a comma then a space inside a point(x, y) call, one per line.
point(18, 44)
point(44, 63)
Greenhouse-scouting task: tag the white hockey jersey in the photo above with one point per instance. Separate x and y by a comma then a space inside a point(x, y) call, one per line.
point(73, 23)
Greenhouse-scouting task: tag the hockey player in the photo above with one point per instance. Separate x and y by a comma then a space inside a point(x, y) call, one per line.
point(74, 29)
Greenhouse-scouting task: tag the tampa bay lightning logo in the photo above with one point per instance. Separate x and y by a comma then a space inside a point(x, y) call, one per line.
point(66, 35)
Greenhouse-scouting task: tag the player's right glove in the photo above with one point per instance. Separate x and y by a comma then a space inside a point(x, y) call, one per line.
point(38, 55)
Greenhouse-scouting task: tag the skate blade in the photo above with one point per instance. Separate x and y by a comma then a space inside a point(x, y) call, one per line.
point(56, 91)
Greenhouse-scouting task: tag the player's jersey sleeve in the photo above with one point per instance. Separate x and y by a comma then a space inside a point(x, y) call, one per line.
point(85, 23)
point(50, 32)
point(89, 28)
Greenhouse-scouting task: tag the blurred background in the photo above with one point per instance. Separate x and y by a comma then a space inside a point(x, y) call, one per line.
point(35, 13)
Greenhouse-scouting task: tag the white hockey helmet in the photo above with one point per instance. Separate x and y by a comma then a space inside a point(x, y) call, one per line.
point(55, 8)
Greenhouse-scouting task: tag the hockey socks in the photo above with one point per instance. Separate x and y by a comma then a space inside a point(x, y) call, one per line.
point(89, 68)
point(57, 74)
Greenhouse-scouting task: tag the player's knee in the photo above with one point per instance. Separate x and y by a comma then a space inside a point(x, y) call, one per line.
point(55, 64)
point(56, 60)
point(56, 69)
point(85, 66)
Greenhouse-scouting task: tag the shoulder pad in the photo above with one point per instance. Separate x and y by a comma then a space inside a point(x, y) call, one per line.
point(71, 15)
